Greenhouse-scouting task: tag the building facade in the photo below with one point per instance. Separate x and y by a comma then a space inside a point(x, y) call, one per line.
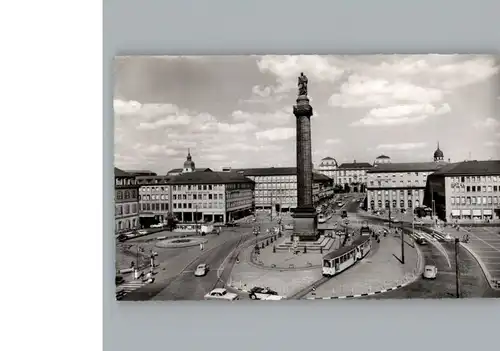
point(328, 166)
point(154, 198)
point(352, 176)
point(468, 190)
point(211, 196)
point(397, 186)
point(276, 187)
point(126, 202)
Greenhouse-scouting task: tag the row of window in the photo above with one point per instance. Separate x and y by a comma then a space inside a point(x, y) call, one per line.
point(198, 197)
point(124, 181)
point(260, 186)
point(460, 188)
point(394, 204)
point(401, 183)
point(394, 192)
point(239, 203)
point(474, 200)
point(394, 175)
point(163, 206)
point(351, 180)
point(153, 197)
point(198, 205)
point(144, 189)
point(125, 209)
point(351, 173)
point(476, 179)
point(274, 179)
point(125, 194)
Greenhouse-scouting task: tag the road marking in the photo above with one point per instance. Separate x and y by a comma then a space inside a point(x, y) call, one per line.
point(494, 248)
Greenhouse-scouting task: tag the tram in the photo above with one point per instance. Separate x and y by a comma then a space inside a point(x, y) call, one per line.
point(338, 261)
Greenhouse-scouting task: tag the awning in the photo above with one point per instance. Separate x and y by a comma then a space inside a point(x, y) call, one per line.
point(476, 212)
point(487, 212)
point(455, 212)
point(465, 212)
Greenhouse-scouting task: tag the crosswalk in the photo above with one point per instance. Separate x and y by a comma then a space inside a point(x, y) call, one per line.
point(128, 287)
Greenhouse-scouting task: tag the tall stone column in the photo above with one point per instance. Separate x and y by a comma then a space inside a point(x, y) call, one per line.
point(305, 218)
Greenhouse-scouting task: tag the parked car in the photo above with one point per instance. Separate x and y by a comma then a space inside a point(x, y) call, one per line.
point(344, 214)
point(221, 294)
point(201, 270)
point(232, 224)
point(288, 226)
point(119, 280)
point(142, 232)
point(121, 238)
point(430, 272)
point(258, 293)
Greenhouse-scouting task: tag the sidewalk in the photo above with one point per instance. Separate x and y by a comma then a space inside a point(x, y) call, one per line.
point(246, 276)
point(379, 271)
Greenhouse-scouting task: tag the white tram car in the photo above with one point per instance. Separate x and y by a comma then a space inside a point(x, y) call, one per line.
point(338, 261)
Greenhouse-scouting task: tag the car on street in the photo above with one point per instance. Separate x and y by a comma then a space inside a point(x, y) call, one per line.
point(122, 237)
point(221, 294)
point(258, 293)
point(142, 232)
point(201, 270)
point(430, 272)
point(288, 226)
point(421, 241)
point(344, 214)
point(232, 224)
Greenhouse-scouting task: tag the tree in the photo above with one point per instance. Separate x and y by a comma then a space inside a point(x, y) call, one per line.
point(171, 221)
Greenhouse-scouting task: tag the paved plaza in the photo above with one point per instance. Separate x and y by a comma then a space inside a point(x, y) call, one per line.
point(380, 270)
point(484, 242)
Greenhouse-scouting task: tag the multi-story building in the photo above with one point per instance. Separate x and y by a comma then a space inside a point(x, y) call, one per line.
point(126, 202)
point(211, 196)
point(154, 198)
point(352, 176)
point(400, 186)
point(276, 187)
point(328, 166)
point(468, 190)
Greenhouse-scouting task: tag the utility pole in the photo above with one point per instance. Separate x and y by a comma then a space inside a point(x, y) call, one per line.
point(402, 245)
point(457, 271)
point(196, 218)
point(271, 205)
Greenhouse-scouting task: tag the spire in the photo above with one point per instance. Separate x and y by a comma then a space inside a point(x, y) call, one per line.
point(189, 154)
point(438, 145)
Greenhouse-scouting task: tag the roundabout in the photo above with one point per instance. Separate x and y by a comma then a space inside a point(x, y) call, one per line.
point(180, 242)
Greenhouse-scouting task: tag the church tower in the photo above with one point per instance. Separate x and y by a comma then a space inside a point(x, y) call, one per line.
point(438, 154)
point(189, 165)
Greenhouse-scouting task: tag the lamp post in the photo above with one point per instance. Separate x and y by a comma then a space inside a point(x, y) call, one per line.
point(196, 218)
point(457, 271)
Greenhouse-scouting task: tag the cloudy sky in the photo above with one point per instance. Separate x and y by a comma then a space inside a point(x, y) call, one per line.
point(237, 110)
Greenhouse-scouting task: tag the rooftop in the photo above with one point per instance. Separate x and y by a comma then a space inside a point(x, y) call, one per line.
point(276, 171)
point(383, 157)
point(327, 158)
point(179, 170)
point(355, 165)
point(141, 172)
point(407, 167)
point(123, 174)
point(202, 177)
point(490, 167)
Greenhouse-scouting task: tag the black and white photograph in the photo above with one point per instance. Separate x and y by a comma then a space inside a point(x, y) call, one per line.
point(306, 177)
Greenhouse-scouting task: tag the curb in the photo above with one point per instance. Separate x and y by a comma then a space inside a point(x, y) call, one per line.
point(361, 295)
point(486, 273)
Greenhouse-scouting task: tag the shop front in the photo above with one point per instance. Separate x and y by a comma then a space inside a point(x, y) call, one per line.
point(466, 214)
point(477, 215)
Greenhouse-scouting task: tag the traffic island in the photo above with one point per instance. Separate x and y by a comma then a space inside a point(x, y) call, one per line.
point(180, 243)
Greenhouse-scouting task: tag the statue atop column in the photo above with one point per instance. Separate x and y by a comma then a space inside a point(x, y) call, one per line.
point(302, 84)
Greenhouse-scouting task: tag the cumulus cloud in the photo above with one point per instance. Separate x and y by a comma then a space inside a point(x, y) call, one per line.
point(401, 114)
point(276, 134)
point(487, 123)
point(280, 117)
point(362, 91)
point(332, 141)
point(401, 146)
point(491, 143)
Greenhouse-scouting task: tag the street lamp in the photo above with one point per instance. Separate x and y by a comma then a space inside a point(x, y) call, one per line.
point(457, 271)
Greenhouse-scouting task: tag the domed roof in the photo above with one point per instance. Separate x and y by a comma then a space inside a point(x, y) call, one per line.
point(383, 157)
point(438, 153)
